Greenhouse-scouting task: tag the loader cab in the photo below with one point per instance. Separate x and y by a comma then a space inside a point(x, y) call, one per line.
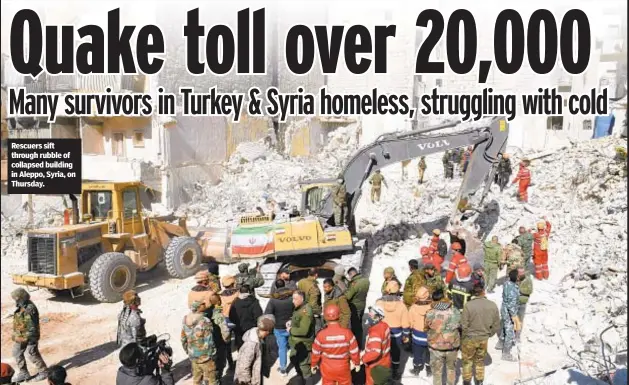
point(115, 202)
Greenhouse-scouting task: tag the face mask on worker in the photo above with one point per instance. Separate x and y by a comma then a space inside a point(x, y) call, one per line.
point(371, 321)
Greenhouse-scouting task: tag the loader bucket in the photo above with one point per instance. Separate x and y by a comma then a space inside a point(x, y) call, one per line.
point(214, 244)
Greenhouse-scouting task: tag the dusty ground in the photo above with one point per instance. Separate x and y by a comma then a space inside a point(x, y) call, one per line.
point(80, 334)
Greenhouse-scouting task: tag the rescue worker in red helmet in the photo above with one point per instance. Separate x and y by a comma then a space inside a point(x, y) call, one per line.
point(460, 289)
point(437, 249)
point(333, 349)
point(377, 352)
point(457, 259)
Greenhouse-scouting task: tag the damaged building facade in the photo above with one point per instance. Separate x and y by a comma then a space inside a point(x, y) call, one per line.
point(171, 155)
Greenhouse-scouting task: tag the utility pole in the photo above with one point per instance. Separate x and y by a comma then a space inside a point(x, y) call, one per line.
point(30, 211)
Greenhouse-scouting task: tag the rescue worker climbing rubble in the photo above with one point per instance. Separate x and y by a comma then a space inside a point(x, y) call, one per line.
point(540, 249)
point(377, 353)
point(457, 259)
point(437, 249)
point(339, 194)
point(421, 169)
point(376, 181)
point(25, 337)
point(335, 350)
point(523, 178)
point(504, 171)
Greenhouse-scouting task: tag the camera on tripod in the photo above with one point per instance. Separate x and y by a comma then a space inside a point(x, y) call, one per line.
point(152, 347)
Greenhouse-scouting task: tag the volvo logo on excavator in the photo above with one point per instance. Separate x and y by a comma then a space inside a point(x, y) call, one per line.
point(295, 239)
point(435, 144)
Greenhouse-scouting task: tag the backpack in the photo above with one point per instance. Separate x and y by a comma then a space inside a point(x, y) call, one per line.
point(442, 248)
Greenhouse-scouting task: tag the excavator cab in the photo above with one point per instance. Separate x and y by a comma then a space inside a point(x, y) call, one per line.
point(317, 197)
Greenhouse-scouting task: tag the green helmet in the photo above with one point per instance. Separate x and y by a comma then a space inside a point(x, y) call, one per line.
point(20, 295)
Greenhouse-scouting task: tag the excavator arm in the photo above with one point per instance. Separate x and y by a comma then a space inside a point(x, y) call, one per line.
point(489, 141)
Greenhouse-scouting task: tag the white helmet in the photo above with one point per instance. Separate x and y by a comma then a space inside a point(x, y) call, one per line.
point(377, 310)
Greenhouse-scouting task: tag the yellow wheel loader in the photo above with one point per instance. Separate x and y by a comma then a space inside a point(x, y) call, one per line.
point(113, 242)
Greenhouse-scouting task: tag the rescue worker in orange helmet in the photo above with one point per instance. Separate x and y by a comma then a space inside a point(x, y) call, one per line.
point(333, 349)
point(457, 259)
point(540, 249)
point(524, 179)
point(378, 343)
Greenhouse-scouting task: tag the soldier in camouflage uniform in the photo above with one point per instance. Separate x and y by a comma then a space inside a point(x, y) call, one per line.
point(513, 257)
point(301, 328)
point(509, 320)
point(214, 281)
point(250, 277)
point(310, 288)
point(525, 283)
point(376, 182)
point(433, 280)
point(492, 259)
point(198, 341)
point(442, 325)
point(480, 320)
point(421, 169)
point(339, 195)
point(220, 332)
point(447, 162)
point(413, 283)
point(525, 241)
point(26, 337)
point(389, 275)
point(334, 296)
point(503, 173)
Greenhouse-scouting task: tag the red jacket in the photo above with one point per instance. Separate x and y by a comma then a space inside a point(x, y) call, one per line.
point(456, 260)
point(537, 238)
point(378, 346)
point(333, 347)
point(524, 176)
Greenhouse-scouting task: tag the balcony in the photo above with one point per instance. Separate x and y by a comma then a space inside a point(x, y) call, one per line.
point(85, 83)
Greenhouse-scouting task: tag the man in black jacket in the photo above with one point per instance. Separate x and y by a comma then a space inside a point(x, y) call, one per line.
point(130, 356)
point(281, 307)
point(244, 313)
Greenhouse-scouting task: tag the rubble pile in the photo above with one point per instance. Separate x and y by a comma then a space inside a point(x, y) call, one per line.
point(255, 169)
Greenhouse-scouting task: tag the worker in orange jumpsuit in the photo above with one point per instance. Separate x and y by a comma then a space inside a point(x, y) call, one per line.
point(426, 255)
point(540, 249)
point(457, 259)
point(524, 179)
point(437, 258)
point(378, 343)
point(333, 348)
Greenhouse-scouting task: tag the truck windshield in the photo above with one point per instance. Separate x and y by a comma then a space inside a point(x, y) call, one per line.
point(99, 203)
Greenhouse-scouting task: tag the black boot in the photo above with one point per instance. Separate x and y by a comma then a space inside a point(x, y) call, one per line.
point(416, 370)
point(428, 371)
point(467, 382)
point(394, 371)
point(478, 382)
point(499, 345)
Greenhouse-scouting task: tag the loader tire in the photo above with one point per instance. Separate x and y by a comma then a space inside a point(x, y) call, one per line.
point(182, 257)
point(110, 276)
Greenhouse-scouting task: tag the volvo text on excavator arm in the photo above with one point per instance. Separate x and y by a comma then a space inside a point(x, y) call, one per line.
point(489, 141)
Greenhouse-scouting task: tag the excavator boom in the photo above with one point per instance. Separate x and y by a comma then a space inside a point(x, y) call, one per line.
point(489, 141)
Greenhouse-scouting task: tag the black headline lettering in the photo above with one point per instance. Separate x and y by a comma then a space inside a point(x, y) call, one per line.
point(118, 47)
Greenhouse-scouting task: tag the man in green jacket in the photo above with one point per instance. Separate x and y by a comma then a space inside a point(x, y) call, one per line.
point(413, 283)
point(302, 334)
point(493, 255)
point(525, 241)
point(310, 287)
point(526, 289)
point(479, 321)
point(357, 296)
